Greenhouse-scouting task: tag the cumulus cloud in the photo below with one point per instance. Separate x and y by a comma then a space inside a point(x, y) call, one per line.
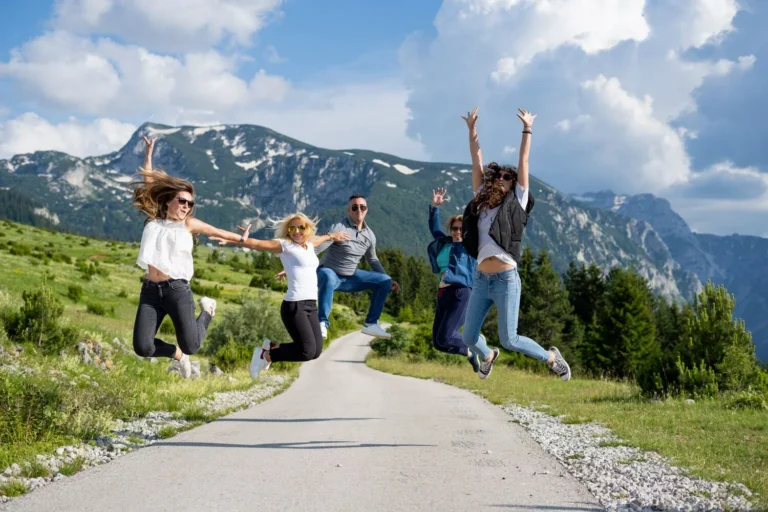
point(29, 132)
point(612, 82)
point(168, 25)
point(103, 77)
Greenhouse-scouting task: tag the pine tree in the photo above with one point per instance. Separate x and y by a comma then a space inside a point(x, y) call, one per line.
point(626, 325)
point(545, 311)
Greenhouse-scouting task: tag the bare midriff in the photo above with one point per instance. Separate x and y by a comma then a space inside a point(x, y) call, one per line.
point(493, 265)
point(155, 275)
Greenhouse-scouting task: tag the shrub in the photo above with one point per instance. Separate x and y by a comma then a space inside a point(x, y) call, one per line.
point(167, 326)
point(213, 292)
point(20, 250)
point(99, 309)
point(123, 294)
point(38, 322)
point(75, 292)
point(245, 327)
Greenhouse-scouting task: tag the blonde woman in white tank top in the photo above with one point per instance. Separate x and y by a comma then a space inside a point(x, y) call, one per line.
point(294, 244)
point(166, 256)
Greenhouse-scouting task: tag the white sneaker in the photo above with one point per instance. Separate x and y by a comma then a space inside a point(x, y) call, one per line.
point(324, 330)
point(267, 346)
point(375, 330)
point(185, 366)
point(209, 305)
point(259, 361)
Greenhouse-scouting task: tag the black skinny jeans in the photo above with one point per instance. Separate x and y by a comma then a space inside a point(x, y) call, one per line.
point(174, 298)
point(302, 323)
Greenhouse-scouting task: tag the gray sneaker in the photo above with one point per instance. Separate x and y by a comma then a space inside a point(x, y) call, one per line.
point(485, 368)
point(560, 366)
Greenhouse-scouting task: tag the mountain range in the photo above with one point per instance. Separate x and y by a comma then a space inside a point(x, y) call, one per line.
point(250, 173)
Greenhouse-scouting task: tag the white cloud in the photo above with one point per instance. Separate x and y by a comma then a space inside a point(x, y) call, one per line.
point(509, 150)
point(168, 25)
point(29, 132)
point(106, 78)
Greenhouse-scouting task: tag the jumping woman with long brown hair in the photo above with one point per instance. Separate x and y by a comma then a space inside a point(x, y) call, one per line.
point(492, 230)
point(165, 254)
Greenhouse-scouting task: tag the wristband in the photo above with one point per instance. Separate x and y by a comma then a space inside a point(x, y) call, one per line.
point(528, 132)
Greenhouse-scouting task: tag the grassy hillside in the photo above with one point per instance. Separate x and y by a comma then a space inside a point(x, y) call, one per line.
point(50, 398)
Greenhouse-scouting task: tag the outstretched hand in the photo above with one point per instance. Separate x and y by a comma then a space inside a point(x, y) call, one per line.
point(471, 118)
point(280, 276)
point(245, 230)
point(526, 117)
point(339, 236)
point(395, 287)
point(438, 196)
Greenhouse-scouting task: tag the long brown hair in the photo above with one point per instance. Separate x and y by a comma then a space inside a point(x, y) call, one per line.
point(155, 189)
point(492, 194)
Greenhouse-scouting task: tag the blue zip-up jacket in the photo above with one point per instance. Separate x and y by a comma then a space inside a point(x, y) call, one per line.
point(461, 266)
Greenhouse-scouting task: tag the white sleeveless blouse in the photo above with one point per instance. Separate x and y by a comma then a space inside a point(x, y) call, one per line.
point(167, 246)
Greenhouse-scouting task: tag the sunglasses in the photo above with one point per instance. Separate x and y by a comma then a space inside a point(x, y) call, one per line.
point(294, 229)
point(182, 201)
point(455, 228)
point(362, 207)
point(505, 176)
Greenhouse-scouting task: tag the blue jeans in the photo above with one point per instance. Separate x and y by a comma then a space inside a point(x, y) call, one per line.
point(329, 281)
point(502, 289)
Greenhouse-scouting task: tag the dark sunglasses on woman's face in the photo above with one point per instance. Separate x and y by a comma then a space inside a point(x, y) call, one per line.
point(362, 207)
point(505, 176)
point(455, 228)
point(182, 201)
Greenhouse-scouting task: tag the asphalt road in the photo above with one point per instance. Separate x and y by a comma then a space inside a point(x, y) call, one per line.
point(342, 438)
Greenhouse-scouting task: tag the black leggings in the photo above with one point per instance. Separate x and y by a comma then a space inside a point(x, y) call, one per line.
point(173, 298)
point(302, 323)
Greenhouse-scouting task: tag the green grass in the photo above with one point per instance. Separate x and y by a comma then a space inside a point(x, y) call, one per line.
point(133, 387)
point(13, 488)
point(73, 467)
point(706, 438)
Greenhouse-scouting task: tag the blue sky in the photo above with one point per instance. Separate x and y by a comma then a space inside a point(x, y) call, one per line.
point(632, 95)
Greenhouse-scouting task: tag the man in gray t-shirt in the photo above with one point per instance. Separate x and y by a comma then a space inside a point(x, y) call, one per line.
point(338, 269)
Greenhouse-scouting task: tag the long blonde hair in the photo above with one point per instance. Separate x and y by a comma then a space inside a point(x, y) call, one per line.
point(155, 189)
point(281, 226)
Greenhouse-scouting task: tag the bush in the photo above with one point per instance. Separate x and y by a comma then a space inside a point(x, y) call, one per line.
point(697, 381)
point(167, 326)
point(20, 250)
point(245, 327)
point(213, 292)
point(75, 292)
point(123, 294)
point(99, 309)
point(747, 400)
point(38, 322)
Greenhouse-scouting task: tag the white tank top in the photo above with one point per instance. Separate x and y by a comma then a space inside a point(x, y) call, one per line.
point(167, 246)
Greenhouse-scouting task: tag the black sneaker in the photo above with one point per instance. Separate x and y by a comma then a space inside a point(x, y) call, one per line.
point(485, 368)
point(560, 366)
point(472, 358)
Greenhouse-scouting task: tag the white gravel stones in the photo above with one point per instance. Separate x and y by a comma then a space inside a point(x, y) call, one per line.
point(624, 478)
point(126, 436)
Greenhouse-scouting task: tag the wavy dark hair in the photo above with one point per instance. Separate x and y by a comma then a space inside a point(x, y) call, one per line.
point(154, 189)
point(492, 194)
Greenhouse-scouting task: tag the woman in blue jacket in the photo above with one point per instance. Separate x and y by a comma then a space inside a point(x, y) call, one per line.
point(457, 269)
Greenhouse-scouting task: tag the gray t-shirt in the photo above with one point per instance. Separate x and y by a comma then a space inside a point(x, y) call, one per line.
point(343, 257)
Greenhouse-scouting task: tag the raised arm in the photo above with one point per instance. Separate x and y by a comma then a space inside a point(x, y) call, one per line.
point(438, 198)
point(474, 149)
point(148, 153)
point(525, 147)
